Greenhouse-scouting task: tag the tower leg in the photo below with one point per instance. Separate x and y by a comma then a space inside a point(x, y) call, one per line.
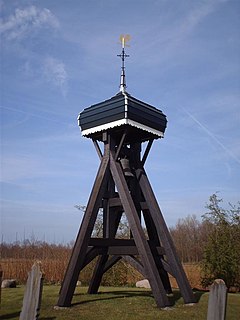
point(153, 236)
point(165, 237)
point(111, 219)
point(138, 234)
point(80, 248)
point(97, 275)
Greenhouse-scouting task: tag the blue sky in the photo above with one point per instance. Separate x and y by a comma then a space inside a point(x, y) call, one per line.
point(58, 57)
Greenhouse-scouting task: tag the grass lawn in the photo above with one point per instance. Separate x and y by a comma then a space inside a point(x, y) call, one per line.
point(113, 304)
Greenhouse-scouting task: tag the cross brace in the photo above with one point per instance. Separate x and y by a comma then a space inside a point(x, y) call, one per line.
point(117, 190)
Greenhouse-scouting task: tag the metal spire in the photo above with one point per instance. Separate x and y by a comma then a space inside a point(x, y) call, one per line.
point(123, 55)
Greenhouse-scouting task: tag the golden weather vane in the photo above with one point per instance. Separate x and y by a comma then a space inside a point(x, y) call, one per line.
point(123, 39)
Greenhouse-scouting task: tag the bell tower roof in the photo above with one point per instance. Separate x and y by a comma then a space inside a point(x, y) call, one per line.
point(122, 112)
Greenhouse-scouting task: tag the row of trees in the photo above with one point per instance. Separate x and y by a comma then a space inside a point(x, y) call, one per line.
point(213, 242)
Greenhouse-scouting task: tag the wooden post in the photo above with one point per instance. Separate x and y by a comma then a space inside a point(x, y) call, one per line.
point(33, 294)
point(80, 248)
point(1, 274)
point(172, 258)
point(138, 234)
point(217, 301)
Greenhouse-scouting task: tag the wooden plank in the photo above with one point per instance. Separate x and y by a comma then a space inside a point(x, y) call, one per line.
point(111, 221)
point(165, 237)
point(135, 263)
point(167, 267)
point(111, 262)
point(111, 218)
point(81, 244)
point(158, 256)
point(147, 150)
point(97, 274)
point(123, 250)
point(91, 254)
point(1, 276)
point(143, 205)
point(115, 202)
point(120, 144)
point(106, 242)
point(99, 151)
point(162, 272)
point(138, 234)
point(151, 228)
point(121, 243)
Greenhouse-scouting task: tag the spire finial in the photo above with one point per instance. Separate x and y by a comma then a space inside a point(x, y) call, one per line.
point(123, 38)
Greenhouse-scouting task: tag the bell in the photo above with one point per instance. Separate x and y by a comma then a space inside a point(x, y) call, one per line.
point(126, 167)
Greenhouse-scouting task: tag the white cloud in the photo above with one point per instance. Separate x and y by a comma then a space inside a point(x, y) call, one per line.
point(55, 72)
point(196, 16)
point(25, 21)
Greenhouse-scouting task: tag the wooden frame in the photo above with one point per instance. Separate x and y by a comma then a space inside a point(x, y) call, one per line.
point(155, 257)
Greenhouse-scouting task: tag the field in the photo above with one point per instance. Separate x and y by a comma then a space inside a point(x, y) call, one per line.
point(120, 275)
point(113, 303)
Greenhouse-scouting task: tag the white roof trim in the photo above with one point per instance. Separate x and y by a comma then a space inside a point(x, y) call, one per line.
point(121, 122)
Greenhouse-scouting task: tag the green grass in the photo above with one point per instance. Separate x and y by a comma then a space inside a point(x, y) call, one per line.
point(113, 304)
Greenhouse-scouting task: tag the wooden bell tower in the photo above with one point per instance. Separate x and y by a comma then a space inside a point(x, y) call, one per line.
point(122, 124)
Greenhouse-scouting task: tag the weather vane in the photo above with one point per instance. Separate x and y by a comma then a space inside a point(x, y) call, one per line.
point(123, 38)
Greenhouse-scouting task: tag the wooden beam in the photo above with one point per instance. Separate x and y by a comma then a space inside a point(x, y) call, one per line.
point(123, 250)
point(167, 267)
point(81, 244)
point(106, 242)
point(111, 262)
point(99, 151)
point(91, 254)
point(147, 150)
point(97, 274)
point(120, 244)
point(135, 263)
point(165, 237)
point(120, 144)
point(114, 202)
point(138, 234)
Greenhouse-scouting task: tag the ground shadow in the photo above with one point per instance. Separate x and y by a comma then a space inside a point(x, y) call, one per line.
point(17, 314)
point(10, 316)
point(173, 298)
point(198, 294)
point(115, 295)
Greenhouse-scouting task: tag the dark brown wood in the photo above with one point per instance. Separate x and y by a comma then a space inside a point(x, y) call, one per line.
point(154, 254)
point(135, 263)
point(165, 237)
point(114, 202)
point(1, 276)
point(121, 243)
point(97, 274)
point(111, 262)
point(120, 144)
point(123, 250)
point(99, 151)
point(149, 145)
point(81, 244)
point(111, 223)
point(138, 234)
point(91, 254)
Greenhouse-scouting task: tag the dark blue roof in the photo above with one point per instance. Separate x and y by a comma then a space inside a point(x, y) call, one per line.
point(120, 111)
